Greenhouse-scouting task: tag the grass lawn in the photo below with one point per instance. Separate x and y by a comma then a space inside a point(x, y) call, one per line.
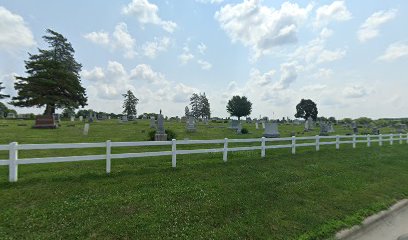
point(309, 195)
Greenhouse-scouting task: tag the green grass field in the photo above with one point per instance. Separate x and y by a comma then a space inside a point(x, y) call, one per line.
point(309, 195)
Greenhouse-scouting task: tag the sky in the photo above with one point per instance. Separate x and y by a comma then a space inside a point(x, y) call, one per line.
point(349, 57)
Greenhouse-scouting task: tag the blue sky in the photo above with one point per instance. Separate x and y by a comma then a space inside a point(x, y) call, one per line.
point(349, 57)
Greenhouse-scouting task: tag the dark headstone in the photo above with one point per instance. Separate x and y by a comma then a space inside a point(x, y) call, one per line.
point(45, 122)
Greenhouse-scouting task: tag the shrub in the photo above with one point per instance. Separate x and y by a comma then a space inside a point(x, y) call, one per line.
point(170, 134)
point(244, 131)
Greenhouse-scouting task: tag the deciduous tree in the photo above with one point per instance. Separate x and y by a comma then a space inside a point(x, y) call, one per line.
point(239, 106)
point(305, 109)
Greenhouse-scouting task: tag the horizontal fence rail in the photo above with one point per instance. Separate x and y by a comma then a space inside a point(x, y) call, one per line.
point(292, 142)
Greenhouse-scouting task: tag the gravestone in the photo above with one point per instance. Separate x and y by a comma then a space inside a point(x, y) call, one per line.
point(72, 119)
point(124, 119)
point(309, 124)
point(248, 120)
point(263, 124)
point(152, 122)
point(86, 129)
point(160, 132)
point(190, 127)
point(144, 117)
point(205, 121)
point(81, 118)
point(354, 127)
point(331, 128)
point(324, 129)
point(271, 130)
point(234, 124)
point(45, 121)
point(256, 124)
point(239, 128)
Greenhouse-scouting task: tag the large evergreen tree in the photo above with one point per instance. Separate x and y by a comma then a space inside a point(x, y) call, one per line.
point(205, 110)
point(200, 106)
point(3, 95)
point(53, 78)
point(239, 106)
point(129, 104)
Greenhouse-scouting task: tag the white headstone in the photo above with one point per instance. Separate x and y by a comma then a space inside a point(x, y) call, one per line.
point(152, 122)
point(271, 130)
point(72, 119)
point(81, 118)
point(190, 127)
point(256, 125)
point(86, 129)
point(263, 124)
point(234, 124)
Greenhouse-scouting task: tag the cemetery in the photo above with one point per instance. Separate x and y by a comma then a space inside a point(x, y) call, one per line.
point(135, 173)
point(149, 127)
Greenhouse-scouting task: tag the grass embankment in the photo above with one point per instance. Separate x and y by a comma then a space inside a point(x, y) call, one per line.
point(309, 195)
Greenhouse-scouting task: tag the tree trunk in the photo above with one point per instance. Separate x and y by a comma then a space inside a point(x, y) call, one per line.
point(49, 110)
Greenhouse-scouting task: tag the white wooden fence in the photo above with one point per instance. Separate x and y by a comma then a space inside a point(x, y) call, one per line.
point(14, 147)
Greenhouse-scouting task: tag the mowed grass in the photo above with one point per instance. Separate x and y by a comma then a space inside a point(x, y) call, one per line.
point(309, 195)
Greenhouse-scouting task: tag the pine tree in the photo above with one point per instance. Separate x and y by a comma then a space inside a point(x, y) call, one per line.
point(204, 106)
point(53, 78)
point(129, 104)
point(2, 95)
point(195, 105)
point(186, 111)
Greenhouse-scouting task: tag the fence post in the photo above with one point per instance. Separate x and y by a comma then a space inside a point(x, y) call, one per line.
point(293, 144)
point(263, 147)
point(400, 138)
point(337, 142)
point(317, 142)
point(108, 156)
point(173, 153)
point(380, 143)
point(13, 166)
point(368, 140)
point(225, 153)
point(354, 140)
point(391, 139)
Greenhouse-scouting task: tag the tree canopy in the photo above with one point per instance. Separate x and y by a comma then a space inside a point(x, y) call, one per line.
point(3, 95)
point(305, 109)
point(239, 106)
point(200, 106)
point(53, 77)
point(129, 104)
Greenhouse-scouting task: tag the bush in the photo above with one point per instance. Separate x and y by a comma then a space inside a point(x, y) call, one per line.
point(244, 131)
point(170, 134)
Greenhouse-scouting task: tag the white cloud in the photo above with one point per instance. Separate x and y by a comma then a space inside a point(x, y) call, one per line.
point(259, 79)
point(315, 53)
point(355, 91)
point(210, 1)
point(121, 40)
point(147, 12)
point(185, 57)
point(201, 48)
point(260, 27)
point(370, 28)
point(146, 73)
point(95, 74)
point(124, 41)
point(8, 81)
point(323, 73)
point(15, 35)
point(288, 76)
point(315, 87)
point(337, 11)
point(204, 64)
point(183, 93)
point(98, 37)
point(394, 51)
point(151, 49)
